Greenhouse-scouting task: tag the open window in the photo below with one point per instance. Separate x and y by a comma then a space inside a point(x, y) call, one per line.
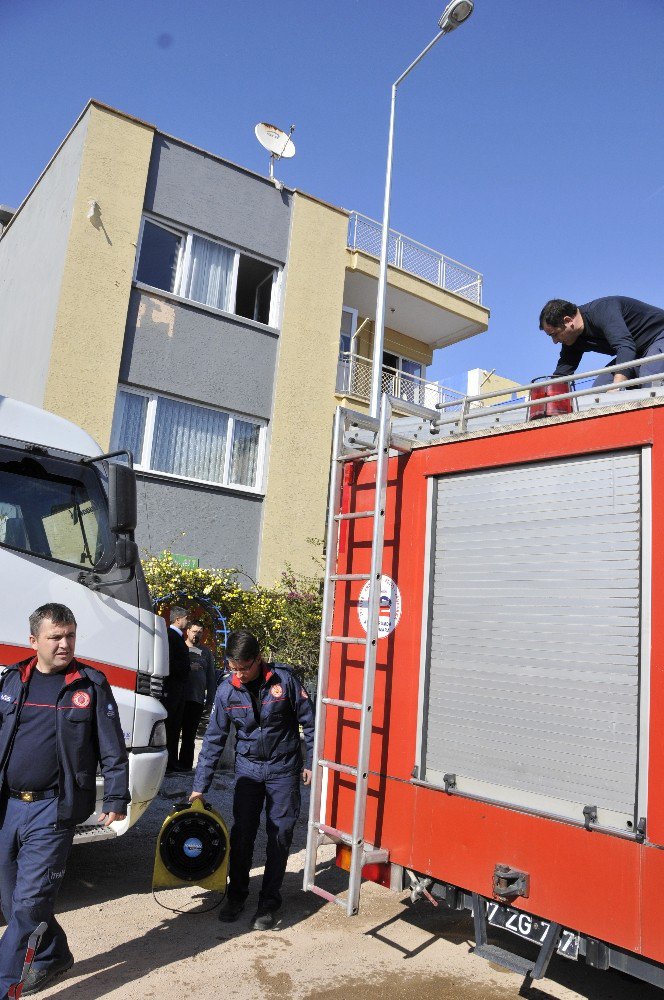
point(255, 281)
point(207, 271)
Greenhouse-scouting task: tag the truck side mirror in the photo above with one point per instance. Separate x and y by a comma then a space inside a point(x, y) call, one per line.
point(126, 553)
point(122, 507)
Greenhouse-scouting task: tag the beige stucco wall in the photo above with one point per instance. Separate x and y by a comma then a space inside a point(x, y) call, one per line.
point(395, 342)
point(304, 400)
point(420, 288)
point(481, 381)
point(96, 282)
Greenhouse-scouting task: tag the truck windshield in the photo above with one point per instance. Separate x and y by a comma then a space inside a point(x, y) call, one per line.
point(53, 508)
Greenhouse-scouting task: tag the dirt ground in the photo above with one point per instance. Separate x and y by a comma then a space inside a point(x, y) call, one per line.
point(127, 947)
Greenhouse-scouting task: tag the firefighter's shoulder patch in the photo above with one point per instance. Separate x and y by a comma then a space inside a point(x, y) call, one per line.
point(81, 699)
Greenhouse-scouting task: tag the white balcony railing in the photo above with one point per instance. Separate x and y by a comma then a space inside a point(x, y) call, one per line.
point(354, 379)
point(402, 252)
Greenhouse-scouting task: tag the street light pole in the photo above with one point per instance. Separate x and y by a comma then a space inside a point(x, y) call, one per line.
point(454, 14)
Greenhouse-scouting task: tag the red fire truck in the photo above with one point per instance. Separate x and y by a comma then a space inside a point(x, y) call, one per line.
point(491, 693)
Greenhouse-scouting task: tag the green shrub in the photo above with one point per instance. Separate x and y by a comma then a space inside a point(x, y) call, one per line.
point(286, 619)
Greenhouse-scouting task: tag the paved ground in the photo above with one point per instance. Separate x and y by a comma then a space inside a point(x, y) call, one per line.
point(127, 947)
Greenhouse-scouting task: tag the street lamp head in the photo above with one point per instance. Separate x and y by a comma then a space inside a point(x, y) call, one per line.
point(455, 14)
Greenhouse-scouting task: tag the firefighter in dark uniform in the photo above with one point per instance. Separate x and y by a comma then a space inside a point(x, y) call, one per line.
point(58, 722)
point(267, 704)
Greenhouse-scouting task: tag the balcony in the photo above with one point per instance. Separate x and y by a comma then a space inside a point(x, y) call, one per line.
point(430, 297)
point(365, 234)
point(354, 380)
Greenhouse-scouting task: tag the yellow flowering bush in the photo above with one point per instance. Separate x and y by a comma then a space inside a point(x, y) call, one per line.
point(285, 619)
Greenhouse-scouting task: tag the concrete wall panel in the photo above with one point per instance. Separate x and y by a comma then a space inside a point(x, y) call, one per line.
point(193, 353)
point(219, 528)
point(32, 260)
point(195, 189)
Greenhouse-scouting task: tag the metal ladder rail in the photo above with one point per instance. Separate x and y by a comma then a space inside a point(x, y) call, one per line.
point(317, 832)
point(373, 608)
point(314, 837)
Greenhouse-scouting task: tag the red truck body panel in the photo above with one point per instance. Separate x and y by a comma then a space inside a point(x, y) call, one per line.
point(590, 881)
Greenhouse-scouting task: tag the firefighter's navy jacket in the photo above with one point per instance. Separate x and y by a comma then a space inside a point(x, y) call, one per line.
point(274, 739)
point(88, 733)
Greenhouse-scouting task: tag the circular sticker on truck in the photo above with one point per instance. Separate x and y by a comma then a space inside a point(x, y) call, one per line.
point(389, 611)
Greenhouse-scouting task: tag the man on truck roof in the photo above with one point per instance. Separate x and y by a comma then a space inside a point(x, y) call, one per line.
point(626, 328)
point(58, 722)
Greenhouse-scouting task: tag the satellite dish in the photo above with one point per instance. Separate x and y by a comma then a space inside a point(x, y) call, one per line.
point(277, 142)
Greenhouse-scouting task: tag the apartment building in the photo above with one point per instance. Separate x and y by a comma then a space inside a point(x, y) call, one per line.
point(192, 311)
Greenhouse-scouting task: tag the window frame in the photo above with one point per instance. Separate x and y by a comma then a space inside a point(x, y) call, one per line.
point(399, 366)
point(353, 313)
point(148, 441)
point(184, 262)
point(181, 252)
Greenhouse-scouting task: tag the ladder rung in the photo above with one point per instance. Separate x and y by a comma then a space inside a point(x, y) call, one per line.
point(353, 456)
point(333, 834)
point(347, 577)
point(354, 515)
point(333, 766)
point(346, 639)
point(370, 854)
point(324, 894)
point(364, 423)
point(375, 855)
point(342, 704)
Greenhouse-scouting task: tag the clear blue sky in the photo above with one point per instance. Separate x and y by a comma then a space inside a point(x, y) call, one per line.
point(529, 143)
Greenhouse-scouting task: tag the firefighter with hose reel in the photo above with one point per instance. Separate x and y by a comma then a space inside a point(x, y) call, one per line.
point(267, 704)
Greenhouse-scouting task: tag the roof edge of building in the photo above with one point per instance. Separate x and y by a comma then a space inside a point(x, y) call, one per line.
point(92, 102)
point(95, 102)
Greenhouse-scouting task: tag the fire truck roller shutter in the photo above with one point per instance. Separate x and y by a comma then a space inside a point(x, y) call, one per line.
point(534, 635)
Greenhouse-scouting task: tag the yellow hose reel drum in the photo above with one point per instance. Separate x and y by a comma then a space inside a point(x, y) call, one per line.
point(192, 849)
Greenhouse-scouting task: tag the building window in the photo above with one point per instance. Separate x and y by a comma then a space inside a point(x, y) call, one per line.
point(160, 253)
point(403, 378)
point(188, 441)
point(207, 271)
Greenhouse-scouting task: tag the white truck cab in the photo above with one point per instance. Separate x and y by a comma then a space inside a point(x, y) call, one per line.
point(67, 516)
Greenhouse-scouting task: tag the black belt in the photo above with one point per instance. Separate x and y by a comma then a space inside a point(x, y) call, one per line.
point(48, 793)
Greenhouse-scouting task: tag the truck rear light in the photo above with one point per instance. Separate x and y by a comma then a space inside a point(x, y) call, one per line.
point(158, 734)
point(373, 872)
point(149, 684)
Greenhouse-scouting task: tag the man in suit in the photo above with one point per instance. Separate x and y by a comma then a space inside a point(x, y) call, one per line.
point(176, 683)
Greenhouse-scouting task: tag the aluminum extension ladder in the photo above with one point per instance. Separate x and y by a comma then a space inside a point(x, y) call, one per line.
point(356, 436)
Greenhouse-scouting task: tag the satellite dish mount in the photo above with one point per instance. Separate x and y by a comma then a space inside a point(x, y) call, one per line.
point(277, 142)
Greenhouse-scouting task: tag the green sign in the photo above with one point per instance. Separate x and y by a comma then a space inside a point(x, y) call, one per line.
point(187, 562)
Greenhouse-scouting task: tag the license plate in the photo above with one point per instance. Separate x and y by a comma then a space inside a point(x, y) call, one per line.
point(530, 928)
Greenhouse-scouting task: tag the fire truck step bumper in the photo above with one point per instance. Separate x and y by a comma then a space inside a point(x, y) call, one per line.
point(503, 957)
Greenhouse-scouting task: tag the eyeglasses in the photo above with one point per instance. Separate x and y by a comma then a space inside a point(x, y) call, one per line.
point(240, 666)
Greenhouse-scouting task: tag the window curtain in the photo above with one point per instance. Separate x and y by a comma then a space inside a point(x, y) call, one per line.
point(131, 427)
point(189, 441)
point(244, 457)
point(210, 272)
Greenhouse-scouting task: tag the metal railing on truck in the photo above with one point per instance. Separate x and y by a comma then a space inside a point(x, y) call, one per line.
point(457, 416)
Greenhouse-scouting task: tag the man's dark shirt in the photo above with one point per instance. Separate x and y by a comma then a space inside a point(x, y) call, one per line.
point(33, 761)
point(254, 688)
point(614, 325)
point(178, 656)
